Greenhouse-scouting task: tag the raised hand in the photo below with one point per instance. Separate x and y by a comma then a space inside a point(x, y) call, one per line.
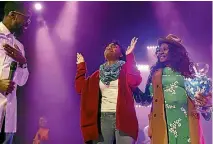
point(80, 58)
point(132, 46)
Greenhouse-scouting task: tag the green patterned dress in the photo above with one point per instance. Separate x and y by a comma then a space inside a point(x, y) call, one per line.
point(175, 106)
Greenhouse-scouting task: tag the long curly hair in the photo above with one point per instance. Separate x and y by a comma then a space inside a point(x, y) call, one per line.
point(178, 61)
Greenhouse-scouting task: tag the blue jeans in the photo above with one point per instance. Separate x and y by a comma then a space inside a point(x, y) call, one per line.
point(109, 133)
point(9, 138)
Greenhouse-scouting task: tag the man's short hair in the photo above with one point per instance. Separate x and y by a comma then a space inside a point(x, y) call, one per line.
point(18, 6)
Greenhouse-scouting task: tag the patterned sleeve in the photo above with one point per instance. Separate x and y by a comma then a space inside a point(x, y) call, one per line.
point(191, 86)
point(207, 115)
point(142, 98)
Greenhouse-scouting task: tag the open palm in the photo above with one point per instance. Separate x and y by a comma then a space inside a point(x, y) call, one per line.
point(132, 46)
point(80, 58)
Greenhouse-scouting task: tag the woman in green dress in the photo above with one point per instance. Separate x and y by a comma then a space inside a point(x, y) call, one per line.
point(175, 64)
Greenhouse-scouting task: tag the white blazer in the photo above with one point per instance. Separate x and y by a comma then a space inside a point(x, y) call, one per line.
point(8, 104)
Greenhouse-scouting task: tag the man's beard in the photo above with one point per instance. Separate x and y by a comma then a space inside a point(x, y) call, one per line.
point(18, 30)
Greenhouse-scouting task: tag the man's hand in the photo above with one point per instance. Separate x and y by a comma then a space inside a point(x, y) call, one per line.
point(15, 53)
point(7, 86)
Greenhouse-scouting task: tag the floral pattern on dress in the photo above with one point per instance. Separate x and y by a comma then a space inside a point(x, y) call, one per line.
point(184, 111)
point(173, 127)
point(172, 88)
point(168, 106)
point(176, 109)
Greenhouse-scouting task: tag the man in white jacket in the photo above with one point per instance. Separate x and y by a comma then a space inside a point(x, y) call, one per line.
point(15, 21)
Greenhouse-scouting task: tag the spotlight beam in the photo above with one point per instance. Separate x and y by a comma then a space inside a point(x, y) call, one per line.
point(38, 6)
